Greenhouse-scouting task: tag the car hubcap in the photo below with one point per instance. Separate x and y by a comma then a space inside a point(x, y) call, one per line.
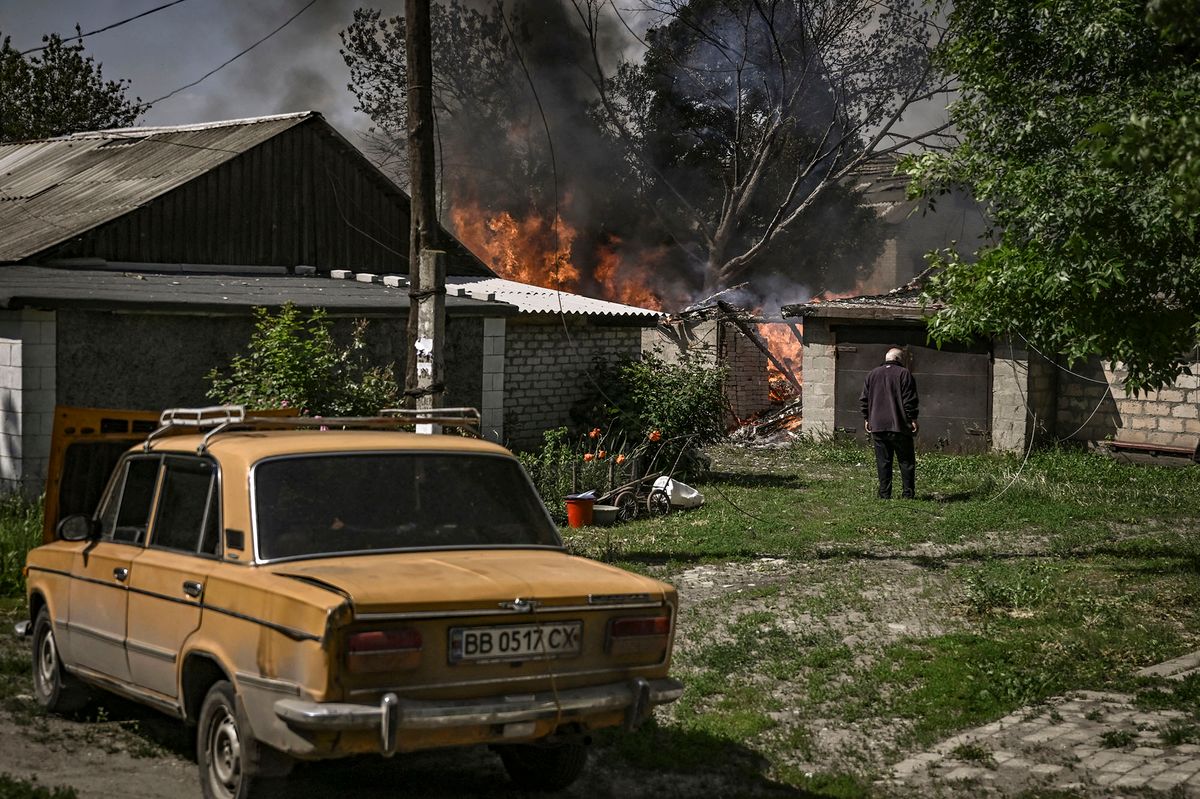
point(225, 753)
point(47, 663)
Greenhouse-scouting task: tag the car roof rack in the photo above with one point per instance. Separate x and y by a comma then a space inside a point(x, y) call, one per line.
point(218, 419)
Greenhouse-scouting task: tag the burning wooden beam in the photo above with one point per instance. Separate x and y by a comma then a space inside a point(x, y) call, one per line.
point(735, 316)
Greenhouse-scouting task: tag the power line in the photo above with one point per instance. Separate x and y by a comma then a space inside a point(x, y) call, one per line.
point(106, 27)
point(213, 71)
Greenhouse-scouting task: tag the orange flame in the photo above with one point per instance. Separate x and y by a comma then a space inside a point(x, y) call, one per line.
point(786, 348)
point(624, 281)
point(530, 250)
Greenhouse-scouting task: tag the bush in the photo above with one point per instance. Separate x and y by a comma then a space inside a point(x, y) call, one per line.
point(294, 362)
point(660, 412)
point(20, 531)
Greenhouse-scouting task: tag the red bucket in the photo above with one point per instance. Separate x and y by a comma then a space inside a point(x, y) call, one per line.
point(579, 512)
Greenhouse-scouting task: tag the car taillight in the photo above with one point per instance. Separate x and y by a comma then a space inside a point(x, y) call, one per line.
point(634, 634)
point(383, 650)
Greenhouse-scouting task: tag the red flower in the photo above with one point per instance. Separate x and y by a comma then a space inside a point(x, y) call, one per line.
point(655, 435)
point(595, 433)
point(620, 459)
point(587, 456)
point(601, 454)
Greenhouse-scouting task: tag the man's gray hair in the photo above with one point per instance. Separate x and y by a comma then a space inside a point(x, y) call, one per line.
point(895, 354)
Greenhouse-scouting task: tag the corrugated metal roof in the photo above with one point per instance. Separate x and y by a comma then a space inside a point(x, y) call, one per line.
point(55, 189)
point(53, 287)
point(904, 302)
point(526, 297)
point(534, 299)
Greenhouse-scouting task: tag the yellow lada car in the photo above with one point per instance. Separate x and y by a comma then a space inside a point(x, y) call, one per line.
point(315, 588)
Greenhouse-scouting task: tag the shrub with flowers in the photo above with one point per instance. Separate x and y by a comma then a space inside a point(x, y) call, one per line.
point(661, 412)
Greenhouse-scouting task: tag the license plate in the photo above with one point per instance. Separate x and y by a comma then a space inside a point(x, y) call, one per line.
point(516, 641)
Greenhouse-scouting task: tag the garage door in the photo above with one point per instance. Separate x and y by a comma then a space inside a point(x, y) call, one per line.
point(954, 384)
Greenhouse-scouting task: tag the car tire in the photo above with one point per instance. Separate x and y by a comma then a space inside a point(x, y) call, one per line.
point(543, 767)
point(226, 750)
point(56, 691)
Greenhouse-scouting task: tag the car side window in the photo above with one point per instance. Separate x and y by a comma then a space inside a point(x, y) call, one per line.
point(127, 512)
point(186, 519)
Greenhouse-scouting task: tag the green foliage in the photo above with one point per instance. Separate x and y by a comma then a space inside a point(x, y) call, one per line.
point(14, 788)
point(998, 585)
point(59, 91)
point(1117, 739)
point(20, 531)
point(1077, 126)
point(664, 411)
point(294, 362)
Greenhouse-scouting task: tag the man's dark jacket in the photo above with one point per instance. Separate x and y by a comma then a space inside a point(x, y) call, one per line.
point(889, 399)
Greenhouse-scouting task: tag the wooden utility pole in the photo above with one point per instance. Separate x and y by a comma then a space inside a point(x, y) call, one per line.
point(422, 381)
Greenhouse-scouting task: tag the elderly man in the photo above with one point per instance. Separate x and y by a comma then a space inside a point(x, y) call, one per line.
point(889, 407)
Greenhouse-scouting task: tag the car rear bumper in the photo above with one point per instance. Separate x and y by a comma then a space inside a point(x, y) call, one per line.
point(636, 698)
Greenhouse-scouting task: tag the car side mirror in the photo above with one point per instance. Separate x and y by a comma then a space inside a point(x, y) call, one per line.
point(78, 527)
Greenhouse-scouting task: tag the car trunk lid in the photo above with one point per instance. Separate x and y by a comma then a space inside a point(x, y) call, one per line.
point(486, 581)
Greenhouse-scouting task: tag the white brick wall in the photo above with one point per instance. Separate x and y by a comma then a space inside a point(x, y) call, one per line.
point(27, 396)
point(820, 365)
point(545, 371)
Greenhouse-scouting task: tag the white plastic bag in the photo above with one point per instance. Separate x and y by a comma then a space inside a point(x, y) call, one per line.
point(680, 494)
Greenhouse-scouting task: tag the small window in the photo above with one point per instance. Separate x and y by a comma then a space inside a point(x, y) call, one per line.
point(128, 510)
point(185, 506)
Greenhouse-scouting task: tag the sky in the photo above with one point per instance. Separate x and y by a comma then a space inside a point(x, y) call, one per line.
point(298, 69)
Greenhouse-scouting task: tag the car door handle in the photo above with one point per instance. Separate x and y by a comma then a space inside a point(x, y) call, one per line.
point(121, 573)
point(193, 588)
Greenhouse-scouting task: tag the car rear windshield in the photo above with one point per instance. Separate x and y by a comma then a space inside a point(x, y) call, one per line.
point(315, 505)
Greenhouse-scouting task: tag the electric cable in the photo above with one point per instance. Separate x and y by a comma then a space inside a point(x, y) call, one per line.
point(82, 36)
point(226, 63)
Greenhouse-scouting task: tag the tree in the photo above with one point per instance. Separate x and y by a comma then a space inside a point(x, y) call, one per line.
point(59, 91)
point(745, 114)
point(1078, 130)
point(294, 362)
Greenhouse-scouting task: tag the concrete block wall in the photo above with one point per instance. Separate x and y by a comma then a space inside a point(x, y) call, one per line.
point(545, 371)
point(820, 366)
point(1094, 407)
point(1024, 396)
point(746, 386)
point(28, 384)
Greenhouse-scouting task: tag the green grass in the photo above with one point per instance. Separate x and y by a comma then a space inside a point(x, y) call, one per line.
point(14, 788)
point(1069, 571)
point(20, 530)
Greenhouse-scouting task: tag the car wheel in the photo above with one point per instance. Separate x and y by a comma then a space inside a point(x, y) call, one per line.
point(224, 748)
point(56, 690)
point(544, 767)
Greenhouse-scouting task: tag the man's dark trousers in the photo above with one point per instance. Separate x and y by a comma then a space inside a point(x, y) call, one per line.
point(900, 446)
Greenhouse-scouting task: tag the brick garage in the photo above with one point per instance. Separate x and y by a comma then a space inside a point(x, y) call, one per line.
point(1028, 397)
point(539, 358)
point(545, 370)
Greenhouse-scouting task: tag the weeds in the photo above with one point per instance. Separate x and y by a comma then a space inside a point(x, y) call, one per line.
point(1179, 732)
point(1117, 739)
point(20, 530)
point(974, 753)
point(14, 788)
